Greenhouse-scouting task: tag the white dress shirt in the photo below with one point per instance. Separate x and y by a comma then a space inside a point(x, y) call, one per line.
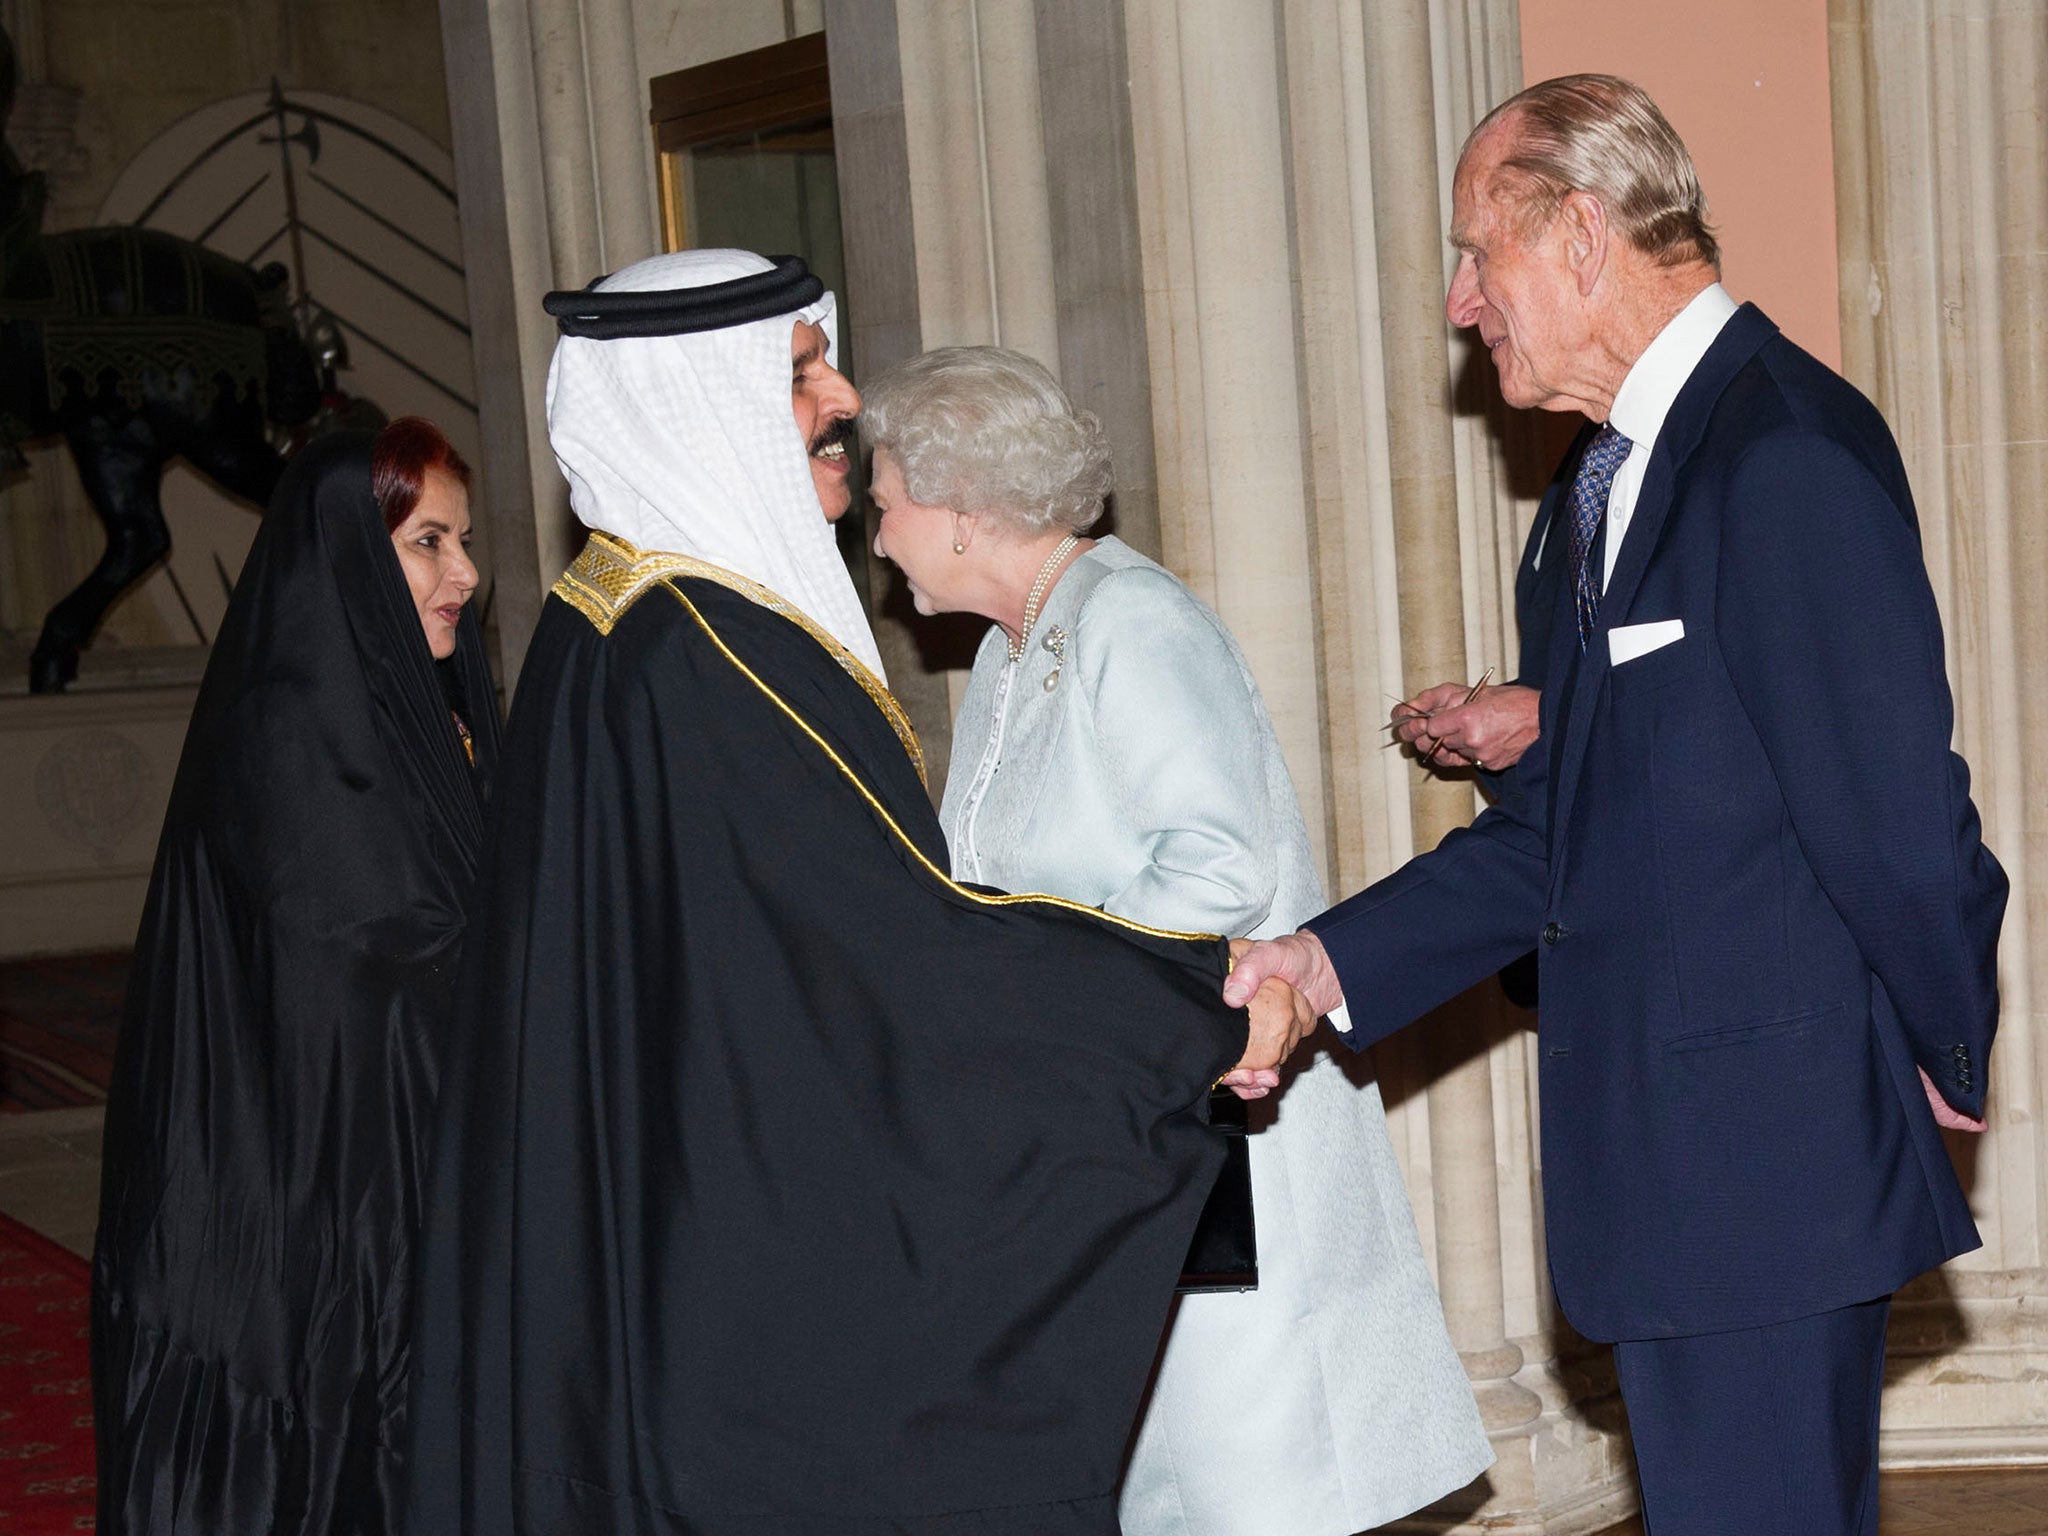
point(1645, 398)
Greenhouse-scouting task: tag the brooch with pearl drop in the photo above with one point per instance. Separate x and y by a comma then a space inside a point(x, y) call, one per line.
point(1055, 643)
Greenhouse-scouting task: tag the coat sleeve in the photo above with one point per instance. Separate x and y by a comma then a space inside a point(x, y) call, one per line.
point(1175, 726)
point(1828, 628)
point(1447, 919)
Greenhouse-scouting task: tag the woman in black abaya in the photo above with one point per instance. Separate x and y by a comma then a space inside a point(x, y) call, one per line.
point(276, 1071)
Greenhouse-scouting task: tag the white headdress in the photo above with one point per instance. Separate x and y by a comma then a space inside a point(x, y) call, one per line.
point(686, 443)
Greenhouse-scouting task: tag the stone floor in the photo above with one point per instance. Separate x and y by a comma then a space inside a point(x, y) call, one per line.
point(49, 1179)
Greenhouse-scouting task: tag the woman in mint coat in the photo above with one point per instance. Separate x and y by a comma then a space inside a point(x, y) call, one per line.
point(1113, 748)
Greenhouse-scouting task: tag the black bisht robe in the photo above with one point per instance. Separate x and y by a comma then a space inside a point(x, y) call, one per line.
point(784, 1185)
point(274, 1077)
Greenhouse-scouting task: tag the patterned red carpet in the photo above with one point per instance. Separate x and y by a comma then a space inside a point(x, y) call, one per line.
point(46, 1482)
point(58, 1018)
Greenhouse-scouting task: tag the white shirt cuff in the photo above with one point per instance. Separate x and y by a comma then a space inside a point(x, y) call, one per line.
point(1340, 1018)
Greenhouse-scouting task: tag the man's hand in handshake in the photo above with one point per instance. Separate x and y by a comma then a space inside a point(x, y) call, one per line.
point(1280, 1018)
point(1296, 958)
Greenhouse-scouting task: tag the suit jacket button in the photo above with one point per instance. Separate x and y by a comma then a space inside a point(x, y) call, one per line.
point(1552, 933)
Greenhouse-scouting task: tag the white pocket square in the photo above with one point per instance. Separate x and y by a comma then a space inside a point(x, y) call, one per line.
point(1633, 640)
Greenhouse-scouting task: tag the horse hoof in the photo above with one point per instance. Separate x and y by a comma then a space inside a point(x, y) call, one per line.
point(51, 671)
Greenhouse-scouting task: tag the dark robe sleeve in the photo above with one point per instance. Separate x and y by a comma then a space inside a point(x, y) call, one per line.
point(787, 1185)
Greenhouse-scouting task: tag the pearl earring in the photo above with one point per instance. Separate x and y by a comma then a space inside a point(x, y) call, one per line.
point(959, 548)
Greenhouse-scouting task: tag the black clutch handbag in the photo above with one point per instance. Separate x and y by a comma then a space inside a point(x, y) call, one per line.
point(1224, 1255)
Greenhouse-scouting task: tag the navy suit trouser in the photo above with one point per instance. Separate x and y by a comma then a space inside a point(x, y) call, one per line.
point(1766, 1431)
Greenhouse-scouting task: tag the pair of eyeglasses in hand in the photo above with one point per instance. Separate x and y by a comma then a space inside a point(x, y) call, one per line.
point(1437, 745)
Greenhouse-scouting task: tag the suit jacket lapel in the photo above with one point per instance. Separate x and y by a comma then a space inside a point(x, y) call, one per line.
point(1738, 342)
point(1547, 541)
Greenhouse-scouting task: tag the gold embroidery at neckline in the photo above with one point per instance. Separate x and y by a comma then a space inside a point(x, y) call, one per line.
point(611, 575)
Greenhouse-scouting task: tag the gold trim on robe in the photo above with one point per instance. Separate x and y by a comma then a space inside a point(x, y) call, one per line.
point(611, 575)
point(874, 801)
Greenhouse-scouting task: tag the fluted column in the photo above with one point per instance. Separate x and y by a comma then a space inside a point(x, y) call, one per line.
point(1941, 144)
point(977, 168)
point(1332, 457)
point(568, 160)
point(508, 260)
point(1210, 134)
point(622, 144)
point(547, 100)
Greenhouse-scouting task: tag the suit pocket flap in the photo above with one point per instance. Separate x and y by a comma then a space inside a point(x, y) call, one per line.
point(1748, 1030)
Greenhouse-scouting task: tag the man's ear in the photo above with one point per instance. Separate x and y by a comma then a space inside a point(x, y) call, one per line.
point(1586, 233)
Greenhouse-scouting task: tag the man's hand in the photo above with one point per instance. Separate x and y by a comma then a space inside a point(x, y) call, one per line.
point(1296, 958)
point(1946, 1115)
point(1493, 731)
point(1280, 1019)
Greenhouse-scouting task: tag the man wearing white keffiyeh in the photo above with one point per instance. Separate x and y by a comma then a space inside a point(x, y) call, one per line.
point(781, 1184)
point(683, 442)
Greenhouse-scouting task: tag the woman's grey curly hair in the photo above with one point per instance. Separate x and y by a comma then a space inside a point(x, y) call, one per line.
point(989, 432)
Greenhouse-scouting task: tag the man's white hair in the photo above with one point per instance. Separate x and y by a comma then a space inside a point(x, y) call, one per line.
point(689, 445)
point(988, 431)
point(1604, 135)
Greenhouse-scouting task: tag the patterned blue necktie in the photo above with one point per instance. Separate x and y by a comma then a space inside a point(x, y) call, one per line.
point(1587, 504)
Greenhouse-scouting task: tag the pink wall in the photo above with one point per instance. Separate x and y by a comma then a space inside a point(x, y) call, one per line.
point(1745, 83)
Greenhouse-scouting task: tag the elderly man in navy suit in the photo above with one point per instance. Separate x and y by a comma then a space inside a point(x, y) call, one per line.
point(1741, 846)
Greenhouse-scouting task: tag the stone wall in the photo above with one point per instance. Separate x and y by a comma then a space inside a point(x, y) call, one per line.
point(139, 65)
point(1941, 144)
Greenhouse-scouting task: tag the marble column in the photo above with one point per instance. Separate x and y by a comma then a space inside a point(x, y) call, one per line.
point(1098, 277)
point(1941, 147)
point(522, 505)
point(883, 316)
point(977, 167)
point(1022, 229)
point(547, 102)
point(1338, 476)
point(622, 145)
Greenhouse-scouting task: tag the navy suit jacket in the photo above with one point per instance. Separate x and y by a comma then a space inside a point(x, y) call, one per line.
point(1545, 553)
point(1751, 869)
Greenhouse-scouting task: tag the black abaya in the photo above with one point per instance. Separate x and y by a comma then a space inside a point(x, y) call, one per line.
point(785, 1185)
point(277, 1065)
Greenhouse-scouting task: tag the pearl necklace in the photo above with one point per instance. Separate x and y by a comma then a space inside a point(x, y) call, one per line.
point(1037, 593)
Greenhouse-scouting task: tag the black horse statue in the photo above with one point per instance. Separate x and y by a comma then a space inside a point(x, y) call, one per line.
point(137, 347)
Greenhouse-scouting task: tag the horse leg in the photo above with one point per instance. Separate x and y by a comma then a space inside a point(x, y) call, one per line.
point(121, 471)
point(241, 462)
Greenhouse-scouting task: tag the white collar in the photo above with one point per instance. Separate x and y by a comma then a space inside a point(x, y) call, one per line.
point(1647, 393)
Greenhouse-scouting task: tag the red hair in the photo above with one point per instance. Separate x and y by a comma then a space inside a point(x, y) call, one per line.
point(399, 460)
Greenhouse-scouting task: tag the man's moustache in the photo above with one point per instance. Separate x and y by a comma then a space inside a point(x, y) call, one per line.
point(841, 431)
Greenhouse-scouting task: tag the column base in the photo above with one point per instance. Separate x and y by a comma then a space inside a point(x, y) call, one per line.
point(1966, 1375)
point(1565, 1470)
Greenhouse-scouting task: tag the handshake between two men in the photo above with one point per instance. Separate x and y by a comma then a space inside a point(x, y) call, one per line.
point(1281, 980)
